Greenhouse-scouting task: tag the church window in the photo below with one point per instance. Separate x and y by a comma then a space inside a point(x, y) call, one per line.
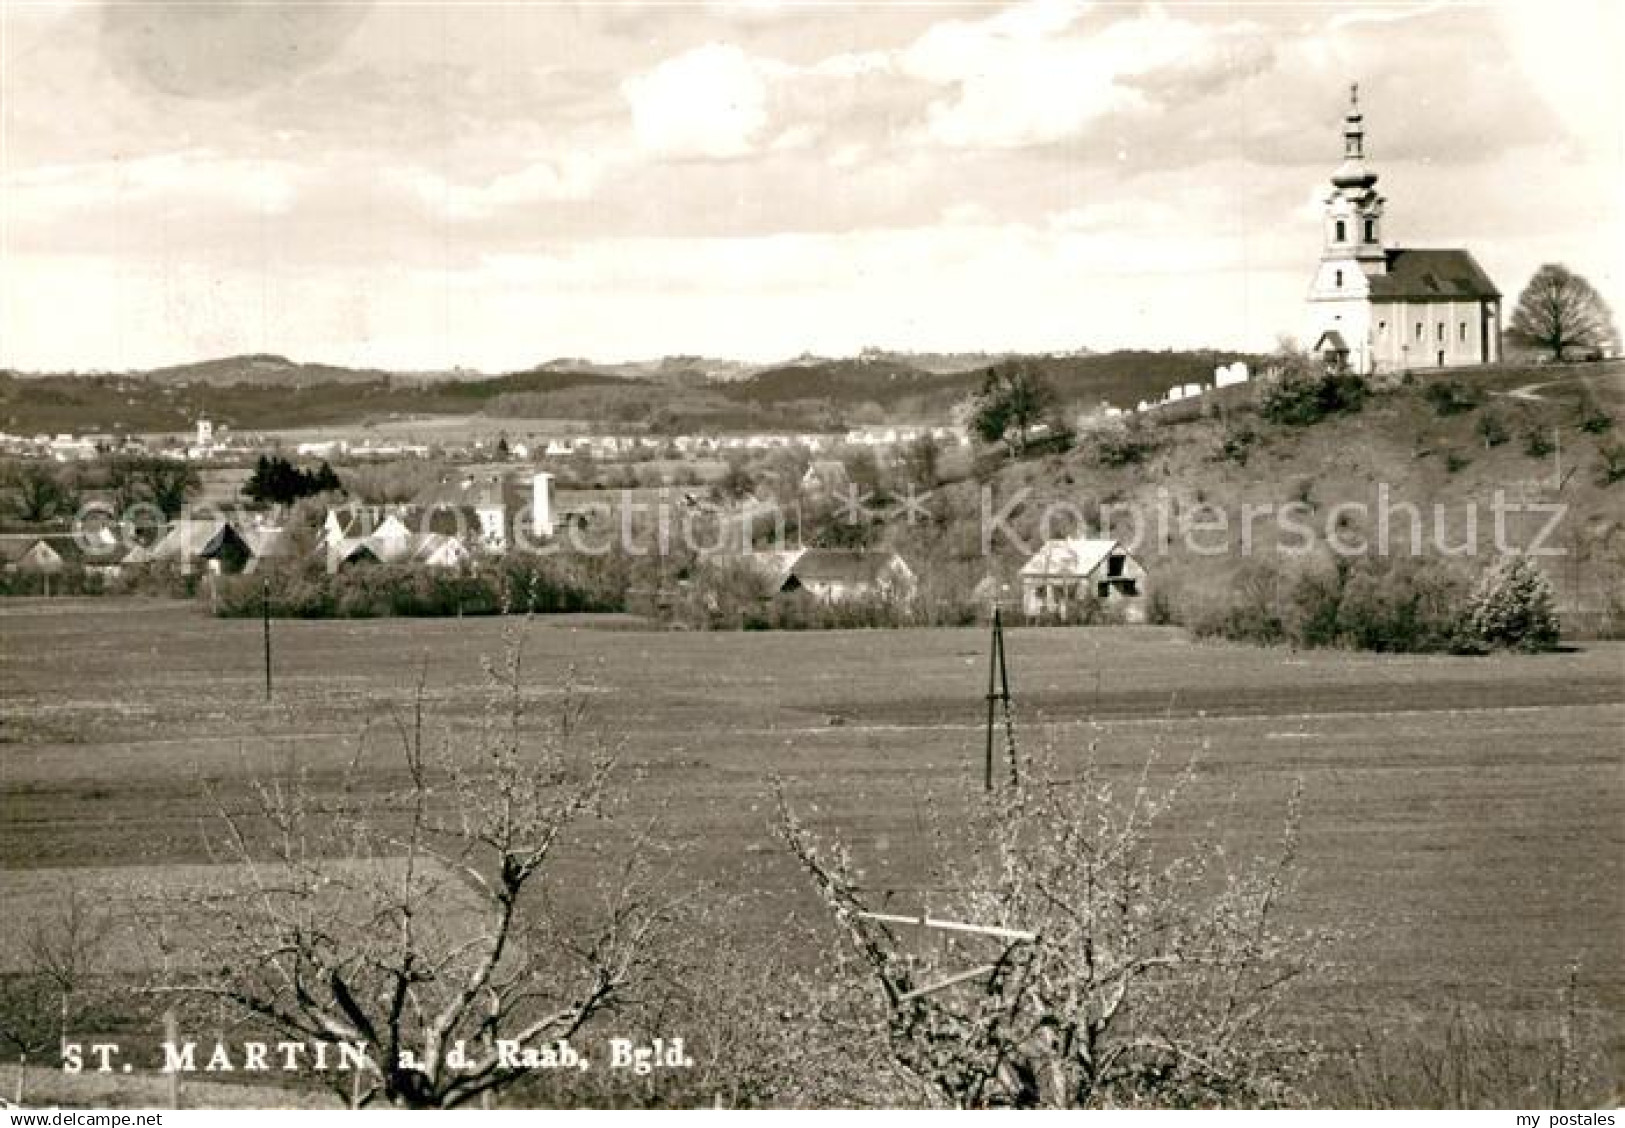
point(1418, 330)
point(1461, 331)
point(1339, 279)
point(1342, 231)
point(1441, 330)
point(1382, 327)
point(1370, 231)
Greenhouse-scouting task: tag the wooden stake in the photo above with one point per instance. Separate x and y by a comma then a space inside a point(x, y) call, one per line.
point(992, 665)
point(265, 620)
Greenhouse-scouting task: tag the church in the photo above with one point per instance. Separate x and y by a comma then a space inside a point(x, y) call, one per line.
point(1390, 309)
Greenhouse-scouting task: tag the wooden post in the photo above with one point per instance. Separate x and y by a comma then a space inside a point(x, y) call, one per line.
point(992, 667)
point(1004, 696)
point(265, 620)
point(172, 1079)
point(22, 1070)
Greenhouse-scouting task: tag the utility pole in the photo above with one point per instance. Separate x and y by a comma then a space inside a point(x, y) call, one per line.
point(265, 623)
point(998, 690)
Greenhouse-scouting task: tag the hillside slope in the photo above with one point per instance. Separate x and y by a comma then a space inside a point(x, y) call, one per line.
point(1209, 497)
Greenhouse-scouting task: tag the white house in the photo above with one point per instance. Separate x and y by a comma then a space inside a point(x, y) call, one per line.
point(1066, 576)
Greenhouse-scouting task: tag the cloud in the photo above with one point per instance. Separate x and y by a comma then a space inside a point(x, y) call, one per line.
point(707, 102)
point(572, 177)
point(1030, 75)
point(197, 177)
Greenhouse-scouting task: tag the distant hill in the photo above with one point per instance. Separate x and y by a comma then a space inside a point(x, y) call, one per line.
point(889, 379)
point(263, 369)
point(265, 391)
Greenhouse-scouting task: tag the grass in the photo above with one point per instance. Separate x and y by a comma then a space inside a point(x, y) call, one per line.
point(1460, 831)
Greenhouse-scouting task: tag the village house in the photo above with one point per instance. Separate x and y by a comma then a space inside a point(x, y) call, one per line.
point(29, 555)
point(826, 478)
point(1387, 309)
point(1067, 577)
point(835, 575)
point(210, 545)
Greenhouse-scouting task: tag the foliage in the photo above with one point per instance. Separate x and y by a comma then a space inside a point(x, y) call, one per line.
point(277, 481)
point(1593, 419)
point(1537, 443)
point(519, 584)
point(1015, 398)
point(1559, 310)
point(1513, 606)
point(1612, 467)
point(1455, 462)
point(1400, 604)
point(922, 461)
point(1492, 429)
point(1105, 966)
point(39, 492)
point(1124, 445)
point(1451, 397)
point(415, 923)
point(1236, 444)
point(1298, 390)
point(165, 483)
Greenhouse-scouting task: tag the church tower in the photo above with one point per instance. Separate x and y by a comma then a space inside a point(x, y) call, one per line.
point(1377, 308)
point(1351, 252)
point(1354, 209)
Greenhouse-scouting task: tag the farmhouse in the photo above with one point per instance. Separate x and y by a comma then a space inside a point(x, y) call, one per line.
point(826, 478)
point(836, 575)
point(215, 546)
point(1386, 309)
point(1066, 577)
point(428, 550)
point(29, 555)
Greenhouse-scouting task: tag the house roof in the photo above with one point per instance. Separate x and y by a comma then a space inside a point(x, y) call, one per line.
point(828, 565)
point(1432, 275)
point(828, 471)
point(191, 538)
point(416, 548)
point(1075, 557)
point(14, 548)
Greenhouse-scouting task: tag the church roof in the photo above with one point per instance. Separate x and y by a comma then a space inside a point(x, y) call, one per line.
point(1432, 275)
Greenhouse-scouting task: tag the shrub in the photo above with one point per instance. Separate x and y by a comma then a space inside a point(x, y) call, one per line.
point(1538, 444)
point(1237, 444)
point(1295, 393)
point(1513, 606)
point(1612, 467)
point(1593, 419)
point(1492, 429)
point(1450, 397)
point(1455, 462)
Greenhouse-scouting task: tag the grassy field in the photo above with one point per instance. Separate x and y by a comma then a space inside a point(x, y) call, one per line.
point(1462, 819)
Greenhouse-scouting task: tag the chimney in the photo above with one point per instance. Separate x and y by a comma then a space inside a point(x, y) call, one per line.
point(541, 504)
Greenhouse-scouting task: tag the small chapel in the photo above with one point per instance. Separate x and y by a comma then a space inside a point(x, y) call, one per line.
point(1375, 308)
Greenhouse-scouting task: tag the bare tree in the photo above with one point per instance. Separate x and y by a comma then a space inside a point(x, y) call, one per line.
point(1559, 310)
point(61, 953)
point(419, 927)
point(1073, 961)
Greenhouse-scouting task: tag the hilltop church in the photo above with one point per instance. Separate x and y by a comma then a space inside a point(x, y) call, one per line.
point(1390, 309)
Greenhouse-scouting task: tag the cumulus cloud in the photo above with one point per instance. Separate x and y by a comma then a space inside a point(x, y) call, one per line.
point(1032, 75)
point(707, 102)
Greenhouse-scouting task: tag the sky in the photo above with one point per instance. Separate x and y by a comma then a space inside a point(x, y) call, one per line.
point(427, 185)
